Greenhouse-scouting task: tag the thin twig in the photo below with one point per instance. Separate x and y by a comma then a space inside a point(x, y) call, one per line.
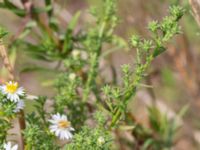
point(6, 61)
point(195, 4)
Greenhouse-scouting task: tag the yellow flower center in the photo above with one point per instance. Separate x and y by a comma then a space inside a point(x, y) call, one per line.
point(64, 124)
point(11, 87)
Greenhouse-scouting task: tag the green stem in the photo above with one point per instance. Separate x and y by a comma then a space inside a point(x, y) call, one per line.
point(94, 64)
point(116, 117)
point(131, 91)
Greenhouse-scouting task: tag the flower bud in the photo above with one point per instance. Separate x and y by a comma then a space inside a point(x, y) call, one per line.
point(76, 54)
point(72, 76)
point(100, 141)
point(135, 40)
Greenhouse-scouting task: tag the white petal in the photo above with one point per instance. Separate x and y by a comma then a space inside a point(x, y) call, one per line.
point(15, 147)
point(53, 127)
point(67, 135)
point(70, 135)
point(63, 117)
point(8, 146)
point(56, 117)
point(13, 97)
point(20, 91)
point(62, 135)
point(57, 132)
point(20, 105)
point(71, 129)
point(53, 121)
point(3, 89)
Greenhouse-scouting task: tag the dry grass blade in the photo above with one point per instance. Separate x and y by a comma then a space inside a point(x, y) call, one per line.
point(195, 4)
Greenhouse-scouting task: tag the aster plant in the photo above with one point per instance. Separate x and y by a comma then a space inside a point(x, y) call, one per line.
point(87, 112)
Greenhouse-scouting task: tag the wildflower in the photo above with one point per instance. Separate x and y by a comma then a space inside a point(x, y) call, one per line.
point(100, 141)
point(20, 106)
point(12, 91)
point(8, 146)
point(61, 126)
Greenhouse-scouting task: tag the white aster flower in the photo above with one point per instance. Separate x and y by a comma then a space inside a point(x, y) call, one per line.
point(12, 91)
point(61, 127)
point(8, 146)
point(19, 106)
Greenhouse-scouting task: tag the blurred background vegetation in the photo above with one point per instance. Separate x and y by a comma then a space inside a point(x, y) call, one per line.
point(174, 77)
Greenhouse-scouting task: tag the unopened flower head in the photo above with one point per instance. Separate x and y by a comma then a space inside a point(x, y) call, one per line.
point(8, 146)
point(72, 76)
point(79, 54)
point(100, 141)
point(61, 127)
point(76, 54)
point(12, 91)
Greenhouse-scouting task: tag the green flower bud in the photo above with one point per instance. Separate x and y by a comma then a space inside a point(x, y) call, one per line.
point(100, 141)
point(72, 76)
point(135, 40)
point(146, 45)
point(153, 26)
point(76, 54)
point(176, 11)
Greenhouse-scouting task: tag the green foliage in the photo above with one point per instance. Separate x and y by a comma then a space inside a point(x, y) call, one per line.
point(39, 106)
point(79, 81)
point(163, 129)
point(3, 32)
point(92, 139)
point(36, 138)
point(37, 135)
point(4, 127)
point(6, 4)
point(147, 50)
